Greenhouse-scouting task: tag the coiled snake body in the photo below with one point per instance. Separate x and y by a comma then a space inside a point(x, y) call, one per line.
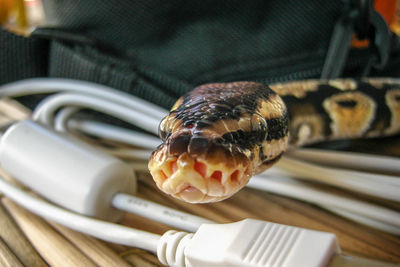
point(219, 135)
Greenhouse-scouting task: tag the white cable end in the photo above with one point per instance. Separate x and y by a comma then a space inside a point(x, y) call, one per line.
point(248, 243)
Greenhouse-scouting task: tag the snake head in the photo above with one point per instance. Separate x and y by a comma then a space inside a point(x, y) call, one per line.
point(216, 138)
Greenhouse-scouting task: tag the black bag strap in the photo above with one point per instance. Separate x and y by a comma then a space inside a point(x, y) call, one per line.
point(87, 63)
point(22, 57)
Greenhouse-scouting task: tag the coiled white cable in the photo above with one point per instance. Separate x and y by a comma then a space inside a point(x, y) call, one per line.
point(381, 186)
point(351, 160)
point(55, 85)
point(104, 230)
point(47, 108)
point(107, 131)
point(211, 245)
point(370, 214)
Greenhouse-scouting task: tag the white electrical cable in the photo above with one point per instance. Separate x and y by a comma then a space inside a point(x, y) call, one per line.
point(366, 220)
point(158, 212)
point(290, 187)
point(54, 85)
point(46, 109)
point(377, 185)
point(220, 245)
point(61, 118)
point(100, 229)
point(115, 133)
point(130, 154)
point(350, 160)
point(245, 243)
point(78, 177)
point(383, 186)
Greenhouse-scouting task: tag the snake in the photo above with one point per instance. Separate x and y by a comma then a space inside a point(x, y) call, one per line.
point(219, 135)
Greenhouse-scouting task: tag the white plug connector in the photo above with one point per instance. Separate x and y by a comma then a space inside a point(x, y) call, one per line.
point(247, 243)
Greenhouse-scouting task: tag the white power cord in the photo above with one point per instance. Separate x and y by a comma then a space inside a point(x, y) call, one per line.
point(101, 229)
point(157, 212)
point(383, 186)
point(245, 243)
point(107, 131)
point(56, 85)
point(369, 214)
point(349, 160)
point(47, 108)
point(79, 177)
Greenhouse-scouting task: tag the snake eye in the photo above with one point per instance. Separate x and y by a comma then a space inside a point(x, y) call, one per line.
point(164, 129)
point(260, 126)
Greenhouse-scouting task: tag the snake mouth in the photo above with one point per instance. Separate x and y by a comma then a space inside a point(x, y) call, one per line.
point(213, 177)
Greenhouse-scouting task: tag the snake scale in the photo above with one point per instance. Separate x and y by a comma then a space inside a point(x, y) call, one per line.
point(219, 135)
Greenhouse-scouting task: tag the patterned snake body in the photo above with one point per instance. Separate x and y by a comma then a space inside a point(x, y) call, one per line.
point(219, 135)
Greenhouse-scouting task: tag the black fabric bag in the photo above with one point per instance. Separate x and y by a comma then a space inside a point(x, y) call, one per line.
point(159, 50)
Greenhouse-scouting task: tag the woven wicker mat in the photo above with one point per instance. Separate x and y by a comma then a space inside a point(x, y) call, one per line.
point(27, 240)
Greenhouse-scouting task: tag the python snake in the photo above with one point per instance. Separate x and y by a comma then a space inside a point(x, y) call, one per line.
point(219, 135)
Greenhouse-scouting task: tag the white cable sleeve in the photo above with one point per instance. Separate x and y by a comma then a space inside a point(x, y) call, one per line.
point(115, 133)
point(382, 186)
point(100, 229)
point(292, 188)
point(367, 221)
point(53, 85)
point(79, 177)
point(65, 170)
point(46, 109)
point(159, 213)
point(350, 160)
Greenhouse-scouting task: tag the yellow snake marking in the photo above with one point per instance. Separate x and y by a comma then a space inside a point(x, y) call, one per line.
point(273, 148)
point(393, 103)
point(273, 107)
point(297, 89)
point(177, 104)
point(170, 123)
point(343, 84)
point(350, 121)
point(380, 82)
point(246, 123)
point(307, 125)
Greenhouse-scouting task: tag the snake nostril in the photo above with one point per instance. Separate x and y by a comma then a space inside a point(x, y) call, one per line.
point(198, 145)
